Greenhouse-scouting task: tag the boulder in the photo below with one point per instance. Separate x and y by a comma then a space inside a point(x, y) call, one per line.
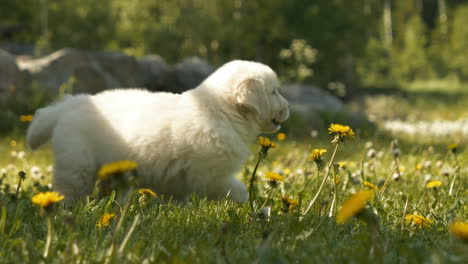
point(124, 68)
point(17, 48)
point(93, 72)
point(154, 73)
point(10, 74)
point(53, 70)
point(307, 98)
point(189, 74)
point(92, 79)
point(316, 109)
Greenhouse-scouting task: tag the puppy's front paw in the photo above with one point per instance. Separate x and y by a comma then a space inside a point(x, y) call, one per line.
point(237, 191)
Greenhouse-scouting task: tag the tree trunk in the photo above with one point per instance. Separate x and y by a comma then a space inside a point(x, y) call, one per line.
point(387, 19)
point(443, 17)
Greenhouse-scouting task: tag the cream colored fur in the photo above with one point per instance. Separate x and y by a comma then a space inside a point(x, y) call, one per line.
point(183, 143)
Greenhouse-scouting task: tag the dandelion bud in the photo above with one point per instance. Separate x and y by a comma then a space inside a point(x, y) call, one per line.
point(314, 133)
point(369, 144)
point(21, 154)
point(22, 175)
point(264, 214)
point(427, 164)
point(371, 153)
point(394, 144)
point(380, 154)
point(396, 152)
point(427, 177)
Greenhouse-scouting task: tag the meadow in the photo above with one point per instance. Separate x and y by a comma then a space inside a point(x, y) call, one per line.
point(417, 191)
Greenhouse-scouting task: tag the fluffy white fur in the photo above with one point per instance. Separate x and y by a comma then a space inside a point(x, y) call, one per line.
point(183, 143)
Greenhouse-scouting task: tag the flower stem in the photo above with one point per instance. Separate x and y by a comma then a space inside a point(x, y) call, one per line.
point(49, 237)
point(335, 189)
point(130, 232)
point(252, 181)
point(457, 173)
point(311, 203)
point(18, 188)
point(404, 214)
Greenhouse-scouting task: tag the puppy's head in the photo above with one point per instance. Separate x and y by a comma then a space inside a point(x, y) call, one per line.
point(255, 91)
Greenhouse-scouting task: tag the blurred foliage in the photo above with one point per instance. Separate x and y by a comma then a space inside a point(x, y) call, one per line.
point(318, 41)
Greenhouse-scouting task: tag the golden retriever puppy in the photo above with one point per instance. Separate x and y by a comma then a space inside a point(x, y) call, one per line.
point(186, 143)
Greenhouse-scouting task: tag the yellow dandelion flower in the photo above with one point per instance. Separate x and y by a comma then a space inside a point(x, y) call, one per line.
point(116, 167)
point(272, 176)
point(13, 143)
point(337, 181)
point(353, 205)
point(460, 230)
point(317, 155)
point(341, 130)
point(418, 220)
point(342, 164)
point(146, 192)
point(433, 184)
point(289, 203)
point(26, 118)
point(453, 148)
point(370, 185)
point(281, 136)
point(419, 166)
point(104, 221)
point(266, 142)
point(45, 199)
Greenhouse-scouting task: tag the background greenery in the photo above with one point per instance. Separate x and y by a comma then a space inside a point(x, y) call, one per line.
point(395, 59)
point(361, 43)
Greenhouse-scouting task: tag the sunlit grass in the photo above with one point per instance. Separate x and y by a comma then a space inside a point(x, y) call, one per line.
point(156, 229)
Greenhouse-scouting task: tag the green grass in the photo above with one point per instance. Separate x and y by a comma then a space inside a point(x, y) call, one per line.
point(419, 100)
point(202, 231)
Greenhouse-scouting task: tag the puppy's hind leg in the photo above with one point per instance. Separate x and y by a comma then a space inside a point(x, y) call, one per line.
point(75, 170)
point(232, 188)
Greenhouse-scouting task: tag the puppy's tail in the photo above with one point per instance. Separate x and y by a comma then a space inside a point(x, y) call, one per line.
point(44, 121)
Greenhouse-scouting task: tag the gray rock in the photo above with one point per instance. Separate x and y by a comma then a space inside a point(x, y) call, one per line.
point(189, 74)
point(51, 71)
point(91, 79)
point(307, 98)
point(17, 48)
point(314, 108)
point(97, 71)
point(124, 68)
point(154, 73)
point(10, 74)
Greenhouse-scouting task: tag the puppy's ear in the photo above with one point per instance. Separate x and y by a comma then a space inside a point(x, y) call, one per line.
point(250, 94)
